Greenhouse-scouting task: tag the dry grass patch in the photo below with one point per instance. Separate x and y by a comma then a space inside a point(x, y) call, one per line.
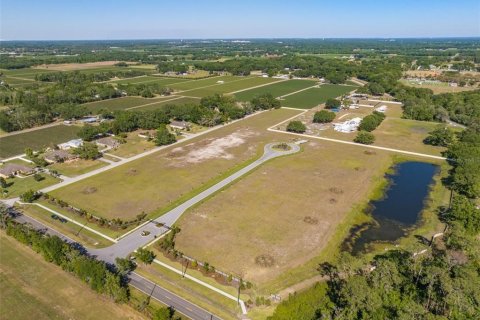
point(158, 180)
point(76, 66)
point(281, 216)
point(77, 167)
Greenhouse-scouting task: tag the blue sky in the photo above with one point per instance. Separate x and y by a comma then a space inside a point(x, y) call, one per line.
point(150, 19)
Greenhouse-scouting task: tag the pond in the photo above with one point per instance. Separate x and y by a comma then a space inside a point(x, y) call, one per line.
point(398, 211)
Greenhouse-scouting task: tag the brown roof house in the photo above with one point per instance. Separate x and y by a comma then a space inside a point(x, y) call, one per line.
point(11, 169)
point(180, 125)
point(59, 156)
point(108, 142)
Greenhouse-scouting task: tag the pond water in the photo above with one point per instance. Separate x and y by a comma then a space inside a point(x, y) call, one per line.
point(399, 210)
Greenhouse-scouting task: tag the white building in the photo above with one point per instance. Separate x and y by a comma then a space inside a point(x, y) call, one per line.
point(381, 109)
point(75, 143)
point(347, 126)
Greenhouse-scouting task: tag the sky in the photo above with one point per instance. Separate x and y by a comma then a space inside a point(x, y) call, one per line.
point(189, 19)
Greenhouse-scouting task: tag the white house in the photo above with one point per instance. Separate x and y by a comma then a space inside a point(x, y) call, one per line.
point(75, 143)
point(347, 126)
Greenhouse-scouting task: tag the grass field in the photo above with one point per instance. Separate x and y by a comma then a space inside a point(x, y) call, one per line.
point(150, 80)
point(21, 185)
point(438, 88)
point(157, 181)
point(77, 167)
point(315, 96)
point(12, 145)
point(240, 83)
point(194, 84)
point(276, 89)
point(35, 289)
point(175, 100)
point(120, 103)
point(133, 146)
point(287, 211)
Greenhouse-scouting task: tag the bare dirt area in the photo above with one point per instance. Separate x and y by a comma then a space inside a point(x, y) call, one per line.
point(282, 215)
point(76, 66)
point(158, 180)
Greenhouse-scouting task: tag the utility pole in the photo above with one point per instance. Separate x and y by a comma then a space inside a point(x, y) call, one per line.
point(240, 283)
point(186, 266)
point(81, 229)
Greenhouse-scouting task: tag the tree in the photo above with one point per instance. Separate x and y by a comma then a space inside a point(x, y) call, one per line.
point(88, 151)
point(364, 137)
point(296, 126)
point(441, 136)
point(323, 116)
point(124, 266)
point(165, 313)
point(3, 182)
point(144, 255)
point(332, 103)
point(264, 102)
point(28, 196)
point(371, 122)
point(164, 137)
point(29, 153)
point(38, 177)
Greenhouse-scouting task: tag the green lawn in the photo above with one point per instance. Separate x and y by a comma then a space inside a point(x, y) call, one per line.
point(77, 167)
point(239, 83)
point(194, 84)
point(276, 89)
point(313, 97)
point(169, 100)
point(20, 185)
point(35, 289)
point(15, 144)
point(120, 103)
point(151, 80)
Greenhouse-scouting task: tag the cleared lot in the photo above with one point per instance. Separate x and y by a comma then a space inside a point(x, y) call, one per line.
point(157, 181)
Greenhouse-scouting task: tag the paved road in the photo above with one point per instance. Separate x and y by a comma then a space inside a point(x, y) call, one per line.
point(146, 286)
point(134, 240)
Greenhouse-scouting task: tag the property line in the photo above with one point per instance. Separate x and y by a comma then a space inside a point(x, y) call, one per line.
point(359, 144)
point(69, 219)
point(259, 86)
point(206, 285)
point(304, 89)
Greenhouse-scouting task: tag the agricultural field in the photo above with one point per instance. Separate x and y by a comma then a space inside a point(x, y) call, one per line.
point(179, 171)
point(174, 100)
point(196, 84)
point(35, 289)
point(276, 89)
point(120, 103)
point(241, 83)
point(77, 167)
point(17, 186)
point(150, 80)
point(15, 144)
point(315, 96)
point(277, 233)
point(78, 66)
point(440, 87)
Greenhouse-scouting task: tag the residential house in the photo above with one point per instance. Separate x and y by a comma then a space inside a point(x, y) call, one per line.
point(108, 142)
point(59, 156)
point(180, 125)
point(75, 143)
point(11, 169)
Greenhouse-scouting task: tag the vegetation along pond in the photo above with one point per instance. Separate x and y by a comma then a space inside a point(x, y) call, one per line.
point(399, 210)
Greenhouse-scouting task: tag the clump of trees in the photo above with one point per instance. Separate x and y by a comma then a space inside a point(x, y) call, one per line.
point(144, 255)
point(296, 126)
point(332, 103)
point(164, 137)
point(364, 137)
point(371, 122)
point(442, 136)
point(87, 151)
point(323, 116)
point(265, 101)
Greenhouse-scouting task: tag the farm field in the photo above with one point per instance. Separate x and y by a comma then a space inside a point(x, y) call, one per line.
point(227, 87)
point(12, 145)
point(175, 100)
point(315, 96)
point(21, 185)
point(439, 88)
point(180, 170)
point(77, 167)
point(283, 215)
point(276, 89)
point(150, 80)
point(120, 103)
point(28, 73)
point(35, 289)
point(194, 84)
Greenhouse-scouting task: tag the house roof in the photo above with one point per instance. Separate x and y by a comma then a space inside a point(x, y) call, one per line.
point(179, 124)
point(12, 168)
point(56, 155)
point(108, 141)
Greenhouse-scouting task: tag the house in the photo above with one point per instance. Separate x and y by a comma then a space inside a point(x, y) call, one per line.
point(180, 125)
point(75, 143)
point(108, 142)
point(347, 126)
point(11, 169)
point(59, 156)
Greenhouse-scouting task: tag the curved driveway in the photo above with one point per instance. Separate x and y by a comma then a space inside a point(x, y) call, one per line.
point(135, 240)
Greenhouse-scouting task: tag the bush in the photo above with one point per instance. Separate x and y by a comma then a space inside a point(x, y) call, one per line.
point(323, 116)
point(88, 151)
point(38, 177)
point(364, 137)
point(371, 122)
point(29, 196)
point(144, 255)
point(164, 137)
point(296, 126)
point(332, 104)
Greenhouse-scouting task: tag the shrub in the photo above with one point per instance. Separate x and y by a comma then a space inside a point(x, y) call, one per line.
point(296, 126)
point(332, 104)
point(29, 196)
point(364, 137)
point(371, 122)
point(164, 137)
point(323, 116)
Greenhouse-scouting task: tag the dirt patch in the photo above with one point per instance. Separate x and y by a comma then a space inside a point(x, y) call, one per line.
point(336, 190)
point(265, 260)
point(310, 220)
point(132, 172)
point(89, 190)
point(213, 148)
